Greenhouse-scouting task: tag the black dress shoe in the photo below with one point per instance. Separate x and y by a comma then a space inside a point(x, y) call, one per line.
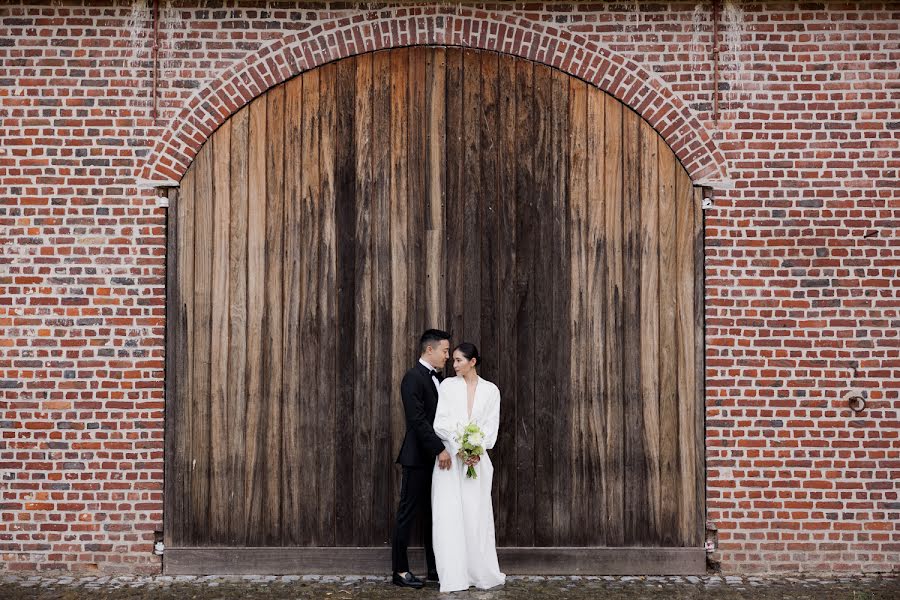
point(409, 580)
point(433, 576)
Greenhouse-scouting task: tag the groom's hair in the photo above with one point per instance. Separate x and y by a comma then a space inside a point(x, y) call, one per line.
point(432, 337)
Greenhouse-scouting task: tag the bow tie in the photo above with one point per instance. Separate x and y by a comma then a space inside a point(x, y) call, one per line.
point(435, 374)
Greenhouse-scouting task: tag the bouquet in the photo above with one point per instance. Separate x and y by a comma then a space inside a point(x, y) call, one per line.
point(470, 439)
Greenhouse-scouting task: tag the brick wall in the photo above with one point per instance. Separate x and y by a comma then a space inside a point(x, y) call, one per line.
point(802, 245)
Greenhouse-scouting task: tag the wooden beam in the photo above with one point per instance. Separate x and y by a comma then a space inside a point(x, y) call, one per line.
point(376, 561)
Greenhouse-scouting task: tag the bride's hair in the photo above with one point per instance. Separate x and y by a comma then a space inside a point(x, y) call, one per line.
point(470, 351)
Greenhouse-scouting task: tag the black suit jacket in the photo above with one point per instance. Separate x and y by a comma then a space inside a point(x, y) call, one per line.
point(421, 444)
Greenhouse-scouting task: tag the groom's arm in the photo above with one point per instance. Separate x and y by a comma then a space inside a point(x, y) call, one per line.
point(414, 406)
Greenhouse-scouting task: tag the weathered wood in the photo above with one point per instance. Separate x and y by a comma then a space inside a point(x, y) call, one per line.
point(255, 459)
point(355, 205)
point(174, 491)
point(200, 442)
point(454, 198)
point(594, 252)
point(561, 354)
point(649, 327)
point(272, 368)
point(699, 403)
point(416, 157)
point(504, 451)
point(543, 283)
point(328, 364)
point(309, 239)
point(376, 561)
point(364, 474)
point(297, 507)
point(237, 325)
point(668, 406)
point(435, 183)
point(525, 251)
point(221, 208)
point(635, 468)
point(472, 193)
point(580, 498)
point(400, 350)
point(487, 222)
point(684, 334)
point(613, 479)
point(384, 397)
point(345, 418)
point(183, 430)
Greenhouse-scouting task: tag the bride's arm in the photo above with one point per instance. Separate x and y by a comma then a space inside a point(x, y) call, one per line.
point(444, 426)
point(492, 421)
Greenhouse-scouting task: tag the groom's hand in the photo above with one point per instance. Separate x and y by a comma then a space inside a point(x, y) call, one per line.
point(444, 460)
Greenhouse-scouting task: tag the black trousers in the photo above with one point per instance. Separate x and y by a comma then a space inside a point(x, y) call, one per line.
point(415, 500)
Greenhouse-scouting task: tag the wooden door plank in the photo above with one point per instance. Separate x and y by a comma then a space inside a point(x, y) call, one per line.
point(383, 395)
point(454, 198)
point(271, 527)
point(649, 319)
point(488, 205)
point(505, 450)
point(177, 424)
point(347, 293)
point(237, 324)
point(363, 393)
point(295, 473)
point(326, 352)
point(580, 499)
point(596, 397)
point(699, 442)
point(309, 238)
point(525, 251)
point(435, 182)
point(399, 346)
point(684, 335)
point(470, 245)
point(635, 468)
point(255, 460)
point(203, 239)
point(560, 260)
point(221, 207)
point(614, 478)
point(544, 344)
point(181, 525)
point(668, 407)
point(416, 157)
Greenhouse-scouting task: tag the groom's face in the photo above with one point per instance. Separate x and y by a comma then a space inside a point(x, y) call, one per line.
point(437, 356)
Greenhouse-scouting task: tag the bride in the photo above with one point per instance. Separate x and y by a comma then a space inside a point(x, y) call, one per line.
point(462, 515)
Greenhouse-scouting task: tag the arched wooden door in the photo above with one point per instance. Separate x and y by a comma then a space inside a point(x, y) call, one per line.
point(324, 225)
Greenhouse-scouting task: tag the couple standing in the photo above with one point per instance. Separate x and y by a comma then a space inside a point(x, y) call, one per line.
point(459, 536)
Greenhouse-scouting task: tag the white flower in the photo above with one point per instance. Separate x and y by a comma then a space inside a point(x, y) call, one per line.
point(475, 439)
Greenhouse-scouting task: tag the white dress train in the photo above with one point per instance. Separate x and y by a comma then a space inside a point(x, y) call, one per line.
point(462, 515)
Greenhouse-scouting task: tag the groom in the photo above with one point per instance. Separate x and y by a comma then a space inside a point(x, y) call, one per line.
point(419, 392)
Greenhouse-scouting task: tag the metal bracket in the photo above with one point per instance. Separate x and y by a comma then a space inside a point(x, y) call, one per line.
point(162, 201)
point(707, 203)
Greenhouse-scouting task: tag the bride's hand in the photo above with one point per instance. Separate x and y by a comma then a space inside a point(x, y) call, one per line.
point(473, 461)
point(444, 461)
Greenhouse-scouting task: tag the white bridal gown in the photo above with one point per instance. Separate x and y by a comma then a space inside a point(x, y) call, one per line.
point(462, 515)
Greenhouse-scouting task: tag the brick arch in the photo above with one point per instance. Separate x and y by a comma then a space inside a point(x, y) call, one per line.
point(286, 57)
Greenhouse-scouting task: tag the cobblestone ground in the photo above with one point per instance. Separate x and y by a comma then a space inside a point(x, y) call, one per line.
point(339, 588)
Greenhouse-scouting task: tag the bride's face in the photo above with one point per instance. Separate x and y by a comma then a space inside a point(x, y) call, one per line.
point(461, 364)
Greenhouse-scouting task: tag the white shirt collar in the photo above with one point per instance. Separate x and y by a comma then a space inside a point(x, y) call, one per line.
point(426, 365)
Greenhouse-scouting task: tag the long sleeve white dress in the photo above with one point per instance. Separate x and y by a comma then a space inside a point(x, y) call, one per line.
point(462, 515)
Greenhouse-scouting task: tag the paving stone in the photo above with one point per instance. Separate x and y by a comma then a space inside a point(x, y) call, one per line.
point(293, 587)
